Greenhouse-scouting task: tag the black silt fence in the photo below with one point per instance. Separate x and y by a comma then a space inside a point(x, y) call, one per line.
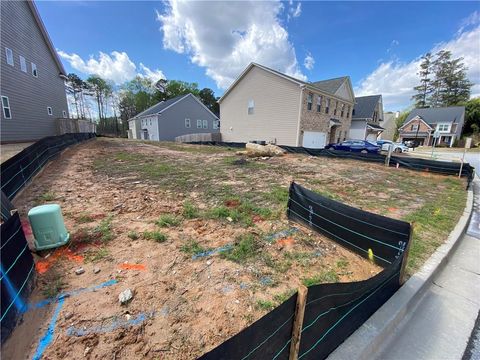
point(333, 311)
point(17, 273)
point(18, 170)
point(439, 167)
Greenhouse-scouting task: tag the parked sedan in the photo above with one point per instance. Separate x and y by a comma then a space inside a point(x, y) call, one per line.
point(397, 147)
point(362, 146)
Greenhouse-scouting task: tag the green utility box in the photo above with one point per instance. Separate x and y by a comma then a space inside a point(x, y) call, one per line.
point(48, 227)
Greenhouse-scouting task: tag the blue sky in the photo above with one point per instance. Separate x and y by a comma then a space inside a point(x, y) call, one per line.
point(376, 43)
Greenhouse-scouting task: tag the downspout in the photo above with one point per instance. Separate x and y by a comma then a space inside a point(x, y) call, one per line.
point(302, 87)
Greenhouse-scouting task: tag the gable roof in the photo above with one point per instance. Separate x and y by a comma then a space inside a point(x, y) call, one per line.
point(365, 106)
point(417, 117)
point(47, 39)
point(452, 114)
point(329, 86)
point(164, 105)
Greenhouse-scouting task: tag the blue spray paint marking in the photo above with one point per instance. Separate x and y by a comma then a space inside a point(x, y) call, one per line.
point(48, 336)
point(115, 324)
point(213, 251)
point(45, 302)
point(12, 292)
point(281, 234)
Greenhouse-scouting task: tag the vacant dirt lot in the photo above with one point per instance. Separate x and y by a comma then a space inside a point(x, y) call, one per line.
point(200, 237)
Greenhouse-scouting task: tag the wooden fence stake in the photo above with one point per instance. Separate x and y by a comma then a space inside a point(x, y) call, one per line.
point(405, 257)
point(298, 322)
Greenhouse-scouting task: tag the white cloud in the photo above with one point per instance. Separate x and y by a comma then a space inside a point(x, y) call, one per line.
point(395, 80)
point(297, 11)
point(116, 67)
point(309, 62)
point(225, 37)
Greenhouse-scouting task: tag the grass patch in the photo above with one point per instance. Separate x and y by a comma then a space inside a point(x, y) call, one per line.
point(327, 276)
point(85, 218)
point(168, 220)
point(301, 257)
point(104, 229)
point(264, 305)
point(96, 255)
point(284, 296)
point(190, 211)
point(342, 263)
point(48, 196)
point(53, 285)
point(133, 235)
point(245, 248)
point(192, 247)
point(156, 236)
point(277, 194)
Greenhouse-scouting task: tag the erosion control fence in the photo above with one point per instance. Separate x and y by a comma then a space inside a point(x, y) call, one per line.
point(18, 170)
point(16, 268)
point(439, 167)
point(16, 265)
point(332, 311)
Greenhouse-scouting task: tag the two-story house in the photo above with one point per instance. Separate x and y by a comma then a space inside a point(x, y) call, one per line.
point(263, 104)
point(421, 125)
point(366, 118)
point(32, 77)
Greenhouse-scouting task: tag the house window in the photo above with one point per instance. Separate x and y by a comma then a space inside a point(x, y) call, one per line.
point(23, 64)
point(251, 107)
point(319, 104)
point(34, 70)
point(9, 54)
point(327, 106)
point(150, 121)
point(199, 124)
point(443, 127)
point(335, 109)
point(64, 114)
point(309, 101)
point(187, 123)
point(216, 124)
point(7, 114)
point(49, 110)
point(414, 127)
point(342, 111)
point(205, 124)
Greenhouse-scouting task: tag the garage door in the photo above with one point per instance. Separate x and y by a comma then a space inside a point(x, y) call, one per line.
point(314, 140)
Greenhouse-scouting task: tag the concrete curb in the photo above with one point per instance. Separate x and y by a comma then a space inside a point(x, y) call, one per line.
point(368, 339)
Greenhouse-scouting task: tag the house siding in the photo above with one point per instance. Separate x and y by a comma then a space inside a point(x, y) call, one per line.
point(171, 122)
point(311, 120)
point(29, 96)
point(276, 110)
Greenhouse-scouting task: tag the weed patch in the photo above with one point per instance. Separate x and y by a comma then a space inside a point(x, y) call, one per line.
point(133, 235)
point(104, 229)
point(95, 255)
point(168, 220)
point(156, 236)
point(264, 305)
point(327, 276)
point(190, 211)
point(192, 247)
point(244, 249)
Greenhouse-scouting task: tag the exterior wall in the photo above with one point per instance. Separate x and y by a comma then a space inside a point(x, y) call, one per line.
point(29, 96)
point(389, 125)
point(134, 127)
point(311, 120)
point(423, 134)
point(171, 122)
point(150, 124)
point(276, 110)
point(358, 130)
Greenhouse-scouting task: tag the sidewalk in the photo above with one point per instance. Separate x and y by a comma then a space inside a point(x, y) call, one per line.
point(442, 322)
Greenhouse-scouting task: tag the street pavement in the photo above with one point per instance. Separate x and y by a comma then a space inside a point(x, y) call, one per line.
point(473, 158)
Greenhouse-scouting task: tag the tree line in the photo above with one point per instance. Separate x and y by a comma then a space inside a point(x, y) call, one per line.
point(115, 105)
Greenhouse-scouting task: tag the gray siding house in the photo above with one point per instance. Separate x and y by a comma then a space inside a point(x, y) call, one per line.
point(366, 118)
point(181, 115)
point(32, 76)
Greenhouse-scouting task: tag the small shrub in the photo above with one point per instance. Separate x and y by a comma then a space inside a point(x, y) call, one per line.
point(96, 255)
point(190, 211)
point(133, 235)
point(168, 220)
point(155, 236)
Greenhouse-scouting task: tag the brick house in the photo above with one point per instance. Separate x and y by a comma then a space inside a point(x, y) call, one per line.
point(421, 124)
point(263, 104)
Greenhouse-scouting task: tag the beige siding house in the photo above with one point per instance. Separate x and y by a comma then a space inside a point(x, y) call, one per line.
point(266, 105)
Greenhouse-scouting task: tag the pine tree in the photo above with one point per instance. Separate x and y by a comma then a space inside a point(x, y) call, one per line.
point(425, 88)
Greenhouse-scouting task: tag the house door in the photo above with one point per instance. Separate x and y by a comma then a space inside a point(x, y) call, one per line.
point(145, 134)
point(314, 140)
point(333, 132)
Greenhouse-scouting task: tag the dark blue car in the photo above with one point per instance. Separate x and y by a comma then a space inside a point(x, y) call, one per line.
point(361, 146)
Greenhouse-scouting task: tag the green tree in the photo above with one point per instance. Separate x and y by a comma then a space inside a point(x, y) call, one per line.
point(399, 122)
point(472, 116)
point(207, 97)
point(175, 88)
point(425, 87)
point(100, 89)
